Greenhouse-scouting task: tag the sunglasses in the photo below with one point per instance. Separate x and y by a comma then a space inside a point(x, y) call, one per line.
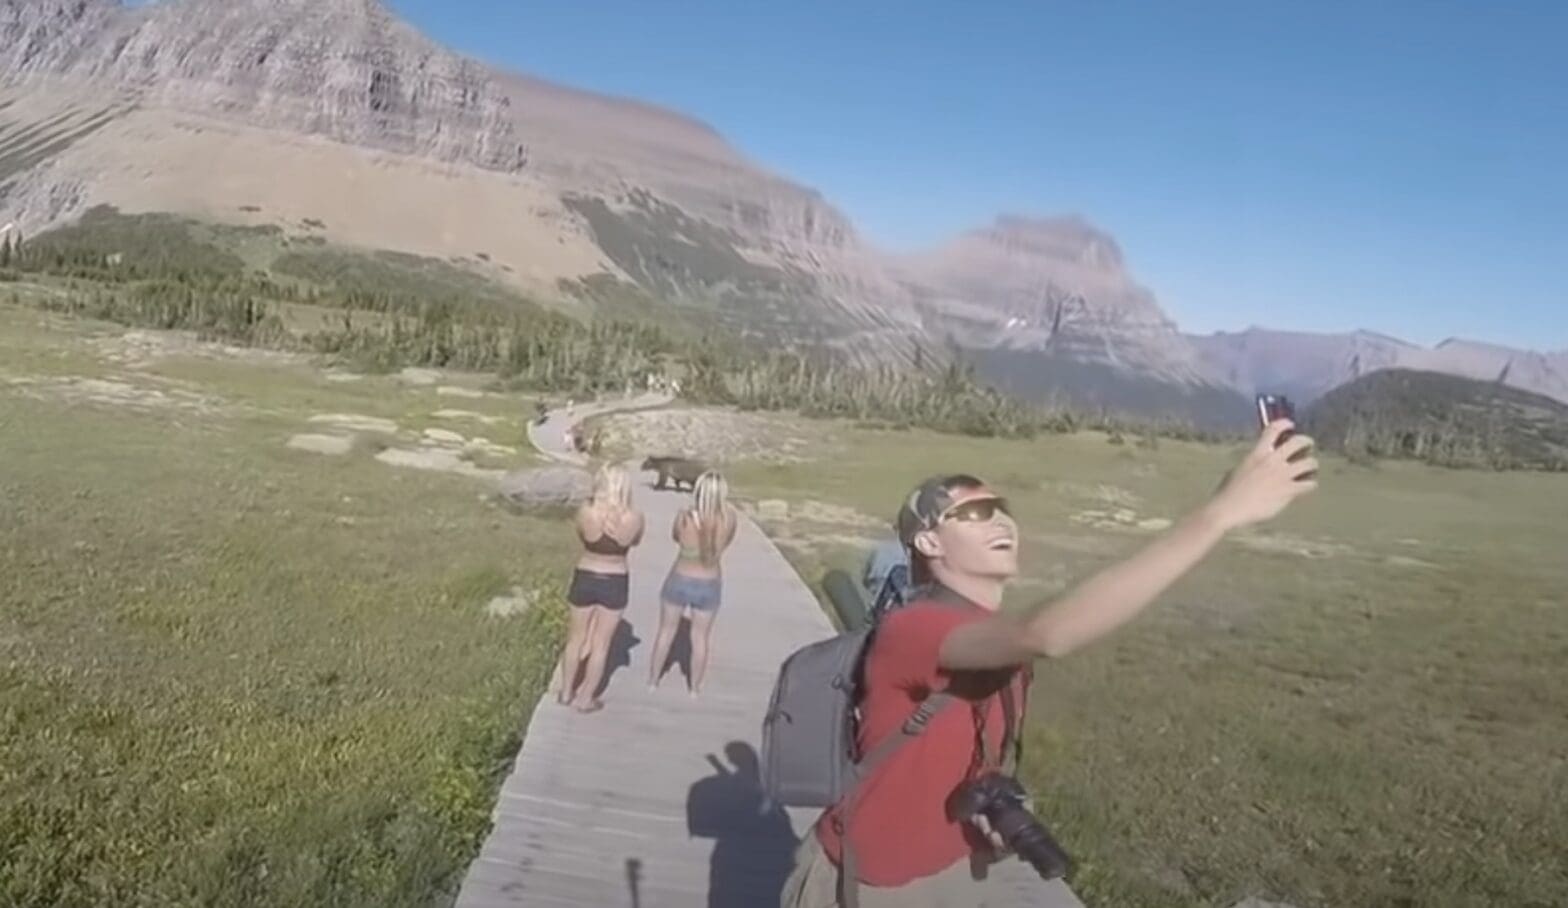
point(976, 510)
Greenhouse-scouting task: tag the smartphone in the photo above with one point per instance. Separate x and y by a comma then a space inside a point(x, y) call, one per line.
point(1272, 407)
point(1278, 406)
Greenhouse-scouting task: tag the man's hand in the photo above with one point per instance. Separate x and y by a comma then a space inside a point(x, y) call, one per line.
point(999, 847)
point(1265, 481)
point(993, 838)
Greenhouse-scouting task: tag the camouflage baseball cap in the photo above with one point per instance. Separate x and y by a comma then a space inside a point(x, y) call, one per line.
point(928, 501)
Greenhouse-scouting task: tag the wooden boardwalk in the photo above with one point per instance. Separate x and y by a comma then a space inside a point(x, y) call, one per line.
point(655, 802)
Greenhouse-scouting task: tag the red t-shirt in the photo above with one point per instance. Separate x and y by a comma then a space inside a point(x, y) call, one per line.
point(899, 824)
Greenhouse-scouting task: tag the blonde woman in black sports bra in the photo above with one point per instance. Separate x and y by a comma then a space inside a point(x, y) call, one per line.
point(608, 527)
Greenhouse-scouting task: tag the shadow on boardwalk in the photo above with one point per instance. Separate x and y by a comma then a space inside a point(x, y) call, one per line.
point(620, 656)
point(621, 646)
point(754, 843)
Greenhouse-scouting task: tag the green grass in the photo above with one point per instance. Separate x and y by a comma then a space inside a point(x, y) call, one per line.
point(692, 263)
point(395, 274)
point(235, 673)
point(173, 246)
point(1384, 725)
point(1443, 419)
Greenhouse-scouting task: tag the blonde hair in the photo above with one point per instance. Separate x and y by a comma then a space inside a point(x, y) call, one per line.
point(612, 488)
point(710, 496)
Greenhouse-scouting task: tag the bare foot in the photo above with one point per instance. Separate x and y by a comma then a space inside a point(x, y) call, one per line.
point(592, 706)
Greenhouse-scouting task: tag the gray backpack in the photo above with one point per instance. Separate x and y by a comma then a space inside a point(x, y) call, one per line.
point(809, 756)
point(808, 736)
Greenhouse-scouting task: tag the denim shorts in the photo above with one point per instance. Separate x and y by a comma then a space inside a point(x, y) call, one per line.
point(699, 594)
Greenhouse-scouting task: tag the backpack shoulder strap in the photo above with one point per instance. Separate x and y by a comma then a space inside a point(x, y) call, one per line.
point(911, 729)
point(849, 867)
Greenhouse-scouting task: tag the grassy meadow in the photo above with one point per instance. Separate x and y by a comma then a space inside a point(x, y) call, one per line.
point(1364, 703)
point(236, 672)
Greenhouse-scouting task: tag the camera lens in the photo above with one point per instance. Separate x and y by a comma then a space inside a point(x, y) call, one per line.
point(1029, 839)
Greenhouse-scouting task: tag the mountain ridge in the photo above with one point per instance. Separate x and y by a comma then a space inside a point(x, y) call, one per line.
point(391, 140)
point(376, 126)
point(1442, 418)
point(1306, 365)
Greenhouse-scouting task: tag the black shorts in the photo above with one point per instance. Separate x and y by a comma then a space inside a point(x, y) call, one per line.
point(593, 588)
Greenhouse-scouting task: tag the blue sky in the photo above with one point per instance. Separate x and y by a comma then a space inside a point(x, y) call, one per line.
point(1400, 167)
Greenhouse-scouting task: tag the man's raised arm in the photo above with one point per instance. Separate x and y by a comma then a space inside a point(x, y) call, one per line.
point(1258, 489)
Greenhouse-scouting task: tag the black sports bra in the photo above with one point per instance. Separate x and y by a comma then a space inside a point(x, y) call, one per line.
point(606, 545)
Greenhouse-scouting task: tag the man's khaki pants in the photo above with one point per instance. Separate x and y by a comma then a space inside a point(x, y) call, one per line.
point(814, 884)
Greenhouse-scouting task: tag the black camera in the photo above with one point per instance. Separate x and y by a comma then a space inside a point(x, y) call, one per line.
point(1000, 799)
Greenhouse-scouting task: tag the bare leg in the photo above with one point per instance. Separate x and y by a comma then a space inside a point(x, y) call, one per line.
point(555, 676)
point(701, 629)
point(577, 631)
point(669, 621)
point(558, 677)
point(600, 636)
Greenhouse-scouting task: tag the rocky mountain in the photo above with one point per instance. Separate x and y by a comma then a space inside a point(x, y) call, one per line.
point(1306, 365)
point(343, 69)
point(1047, 307)
point(1542, 373)
point(1301, 365)
point(337, 115)
point(335, 120)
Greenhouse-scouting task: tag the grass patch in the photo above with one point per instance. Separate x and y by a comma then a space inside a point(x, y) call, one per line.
point(386, 273)
point(1364, 703)
point(235, 673)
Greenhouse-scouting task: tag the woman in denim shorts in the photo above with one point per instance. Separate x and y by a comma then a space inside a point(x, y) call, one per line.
point(703, 531)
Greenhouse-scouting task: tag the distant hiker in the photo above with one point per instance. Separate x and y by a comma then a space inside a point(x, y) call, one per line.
point(608, 526)
point(941, 686)
point(702, 531)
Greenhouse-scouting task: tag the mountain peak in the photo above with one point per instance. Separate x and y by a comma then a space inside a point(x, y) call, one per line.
point(347, 70)
point(1069, 238)
point(1380, 337)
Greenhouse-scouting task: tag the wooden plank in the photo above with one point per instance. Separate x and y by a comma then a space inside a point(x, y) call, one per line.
point(597, 806)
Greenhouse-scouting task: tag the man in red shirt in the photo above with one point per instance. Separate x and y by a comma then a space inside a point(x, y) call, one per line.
point(963, 547)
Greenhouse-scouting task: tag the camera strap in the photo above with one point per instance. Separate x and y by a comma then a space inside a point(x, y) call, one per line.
point(1013, 715)
point(1012, 728)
